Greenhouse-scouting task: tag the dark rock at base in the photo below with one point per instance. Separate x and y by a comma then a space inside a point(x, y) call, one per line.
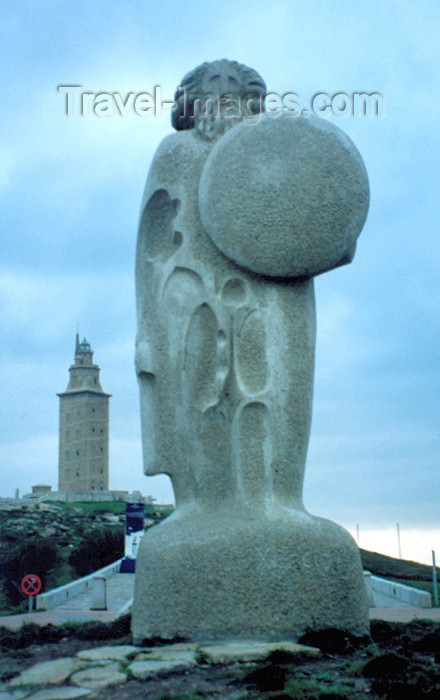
point(429, 642)
point(281, 657)
point(385, 666)
point(266, 678)
point(333, 641)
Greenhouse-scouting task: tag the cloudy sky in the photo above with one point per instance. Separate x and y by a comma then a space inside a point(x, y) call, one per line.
point(71, 188)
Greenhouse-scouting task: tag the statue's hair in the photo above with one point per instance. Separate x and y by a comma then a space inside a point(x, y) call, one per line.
point(251, 83)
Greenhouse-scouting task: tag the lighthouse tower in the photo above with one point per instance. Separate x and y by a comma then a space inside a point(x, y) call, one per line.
point(84, 427)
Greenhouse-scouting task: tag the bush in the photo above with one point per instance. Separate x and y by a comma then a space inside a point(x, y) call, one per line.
point(99, 547)
point(40, 557)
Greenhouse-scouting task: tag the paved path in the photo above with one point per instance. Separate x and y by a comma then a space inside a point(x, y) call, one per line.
point(385, 601)
point(120, 589)
point(405, 614)
point(119, 597)
point(120, 594)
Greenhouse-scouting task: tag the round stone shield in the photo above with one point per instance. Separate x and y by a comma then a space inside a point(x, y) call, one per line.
point(286, 197)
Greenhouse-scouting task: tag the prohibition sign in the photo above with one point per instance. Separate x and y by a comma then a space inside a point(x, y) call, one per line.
point(31, 584)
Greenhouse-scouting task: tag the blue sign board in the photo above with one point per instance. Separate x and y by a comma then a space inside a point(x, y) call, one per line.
point(134, 530)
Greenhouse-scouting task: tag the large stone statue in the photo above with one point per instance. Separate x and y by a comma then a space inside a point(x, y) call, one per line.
point(240, 211)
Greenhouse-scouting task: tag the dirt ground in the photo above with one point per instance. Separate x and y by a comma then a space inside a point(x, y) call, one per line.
point(399, 661)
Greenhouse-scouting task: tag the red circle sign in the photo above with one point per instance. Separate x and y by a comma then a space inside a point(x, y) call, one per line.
point(31, 584)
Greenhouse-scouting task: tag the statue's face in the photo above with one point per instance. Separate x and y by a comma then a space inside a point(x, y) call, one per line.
point(220, 81)
point(239, 91)
point(223, 82)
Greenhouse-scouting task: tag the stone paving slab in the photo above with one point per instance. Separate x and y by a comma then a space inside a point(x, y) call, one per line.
point(61, 693)
point(116, 653)
point(186, 657)
point(16, 694)
point(250, 650)
point(96, 677)
point(48, 672)
point(99, 667)
point(145, 669)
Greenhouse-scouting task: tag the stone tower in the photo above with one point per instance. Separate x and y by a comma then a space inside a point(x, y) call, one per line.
point(84, 427)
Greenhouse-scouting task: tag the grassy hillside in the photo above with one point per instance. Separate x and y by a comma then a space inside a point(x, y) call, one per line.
point(389, 567)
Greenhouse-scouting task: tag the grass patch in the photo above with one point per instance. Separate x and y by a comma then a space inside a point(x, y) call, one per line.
point(18, 609)
point(165, 512)
point(100, 507)
point(202, 658)
point(305, 689)
point(274, 681)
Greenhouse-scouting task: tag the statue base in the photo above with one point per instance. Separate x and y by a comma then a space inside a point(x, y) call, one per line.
point(218, 575)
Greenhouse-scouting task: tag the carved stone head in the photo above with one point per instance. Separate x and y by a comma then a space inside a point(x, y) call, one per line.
point(220, 88)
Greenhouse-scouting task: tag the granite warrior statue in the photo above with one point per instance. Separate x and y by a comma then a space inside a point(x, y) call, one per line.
point(237, 217)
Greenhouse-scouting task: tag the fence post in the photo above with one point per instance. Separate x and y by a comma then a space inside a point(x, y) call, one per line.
point(99, 593)
point(434, 579)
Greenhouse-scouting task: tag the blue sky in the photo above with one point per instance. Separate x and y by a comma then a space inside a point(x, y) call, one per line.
point(70, 190)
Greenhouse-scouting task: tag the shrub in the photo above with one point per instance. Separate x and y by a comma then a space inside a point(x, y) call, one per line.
point(98, 548)
point(40, 557)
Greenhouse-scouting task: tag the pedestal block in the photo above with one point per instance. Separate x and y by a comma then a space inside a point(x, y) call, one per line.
point(210, 576)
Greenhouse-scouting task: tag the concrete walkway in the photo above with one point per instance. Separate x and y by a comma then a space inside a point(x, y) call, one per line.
point(386, 601)
point(120, 589)
point(399, 614)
